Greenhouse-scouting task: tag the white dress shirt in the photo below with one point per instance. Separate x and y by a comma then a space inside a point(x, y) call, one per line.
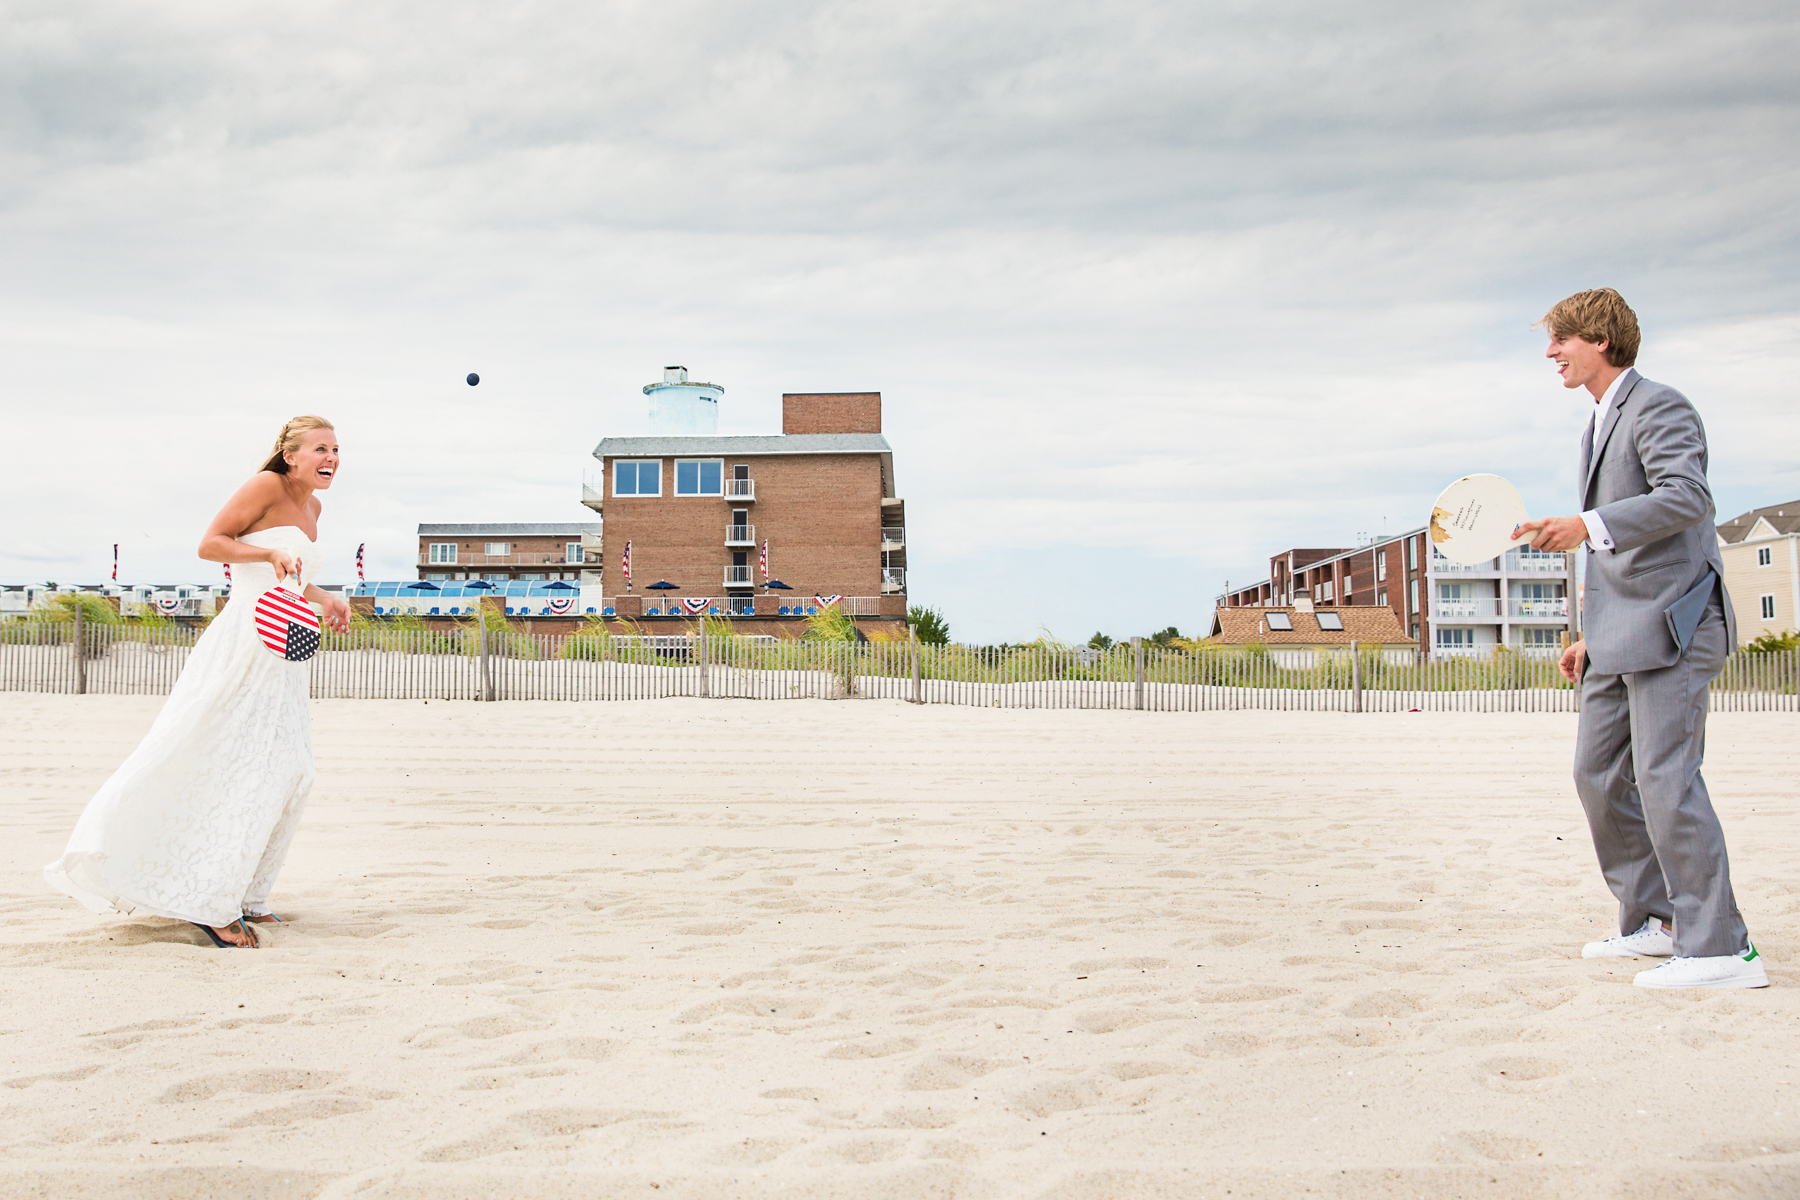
point(1599, 537)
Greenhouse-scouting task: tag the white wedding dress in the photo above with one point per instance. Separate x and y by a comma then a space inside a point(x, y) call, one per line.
point(197, 822)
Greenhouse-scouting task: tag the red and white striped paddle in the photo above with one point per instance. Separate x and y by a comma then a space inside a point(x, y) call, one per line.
point(287, 623)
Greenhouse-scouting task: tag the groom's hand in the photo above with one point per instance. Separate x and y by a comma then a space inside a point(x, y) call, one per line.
point(1573, 661)
point(1554, 534)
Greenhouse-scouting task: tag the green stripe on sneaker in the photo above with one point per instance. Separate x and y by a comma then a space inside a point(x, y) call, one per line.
point(1750, 954)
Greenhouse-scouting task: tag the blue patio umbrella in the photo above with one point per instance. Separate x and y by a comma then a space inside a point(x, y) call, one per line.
point(662, 585)
point(559, 585)
point(423, 586)
point(478, 583)
point(776, 583)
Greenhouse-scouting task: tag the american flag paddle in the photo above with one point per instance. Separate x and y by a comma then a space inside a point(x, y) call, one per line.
point(287, 624)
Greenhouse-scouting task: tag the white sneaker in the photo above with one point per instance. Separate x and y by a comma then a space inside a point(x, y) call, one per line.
point(1652, 941)
point(1741, 970)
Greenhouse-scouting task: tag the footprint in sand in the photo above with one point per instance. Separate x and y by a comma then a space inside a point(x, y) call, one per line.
point(254, 1083)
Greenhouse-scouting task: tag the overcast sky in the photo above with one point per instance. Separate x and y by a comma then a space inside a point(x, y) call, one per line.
point(1150, 291)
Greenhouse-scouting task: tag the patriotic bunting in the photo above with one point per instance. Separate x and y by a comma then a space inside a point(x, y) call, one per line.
point(827, 601)
point(560, 606)
point(168, 606)
point(695, 606)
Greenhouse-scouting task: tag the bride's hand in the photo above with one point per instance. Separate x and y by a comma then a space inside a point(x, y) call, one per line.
point(285, 564)
point(336, 612)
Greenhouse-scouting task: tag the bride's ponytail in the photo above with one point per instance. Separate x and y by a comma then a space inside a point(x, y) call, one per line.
point(289, 439)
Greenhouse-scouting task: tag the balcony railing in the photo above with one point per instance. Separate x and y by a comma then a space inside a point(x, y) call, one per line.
point(1531, 562)
point(466, 559)
point(740, 535)
point(893, 579)
point(893, 537)
point(1556, 608)
point(1480, 608)
point(1443, 566)
point(738, 577)
point(740, 489)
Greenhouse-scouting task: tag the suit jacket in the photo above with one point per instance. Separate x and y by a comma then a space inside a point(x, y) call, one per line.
point(1643, 469)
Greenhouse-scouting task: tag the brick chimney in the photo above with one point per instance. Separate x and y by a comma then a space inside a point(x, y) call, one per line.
point(831, 412)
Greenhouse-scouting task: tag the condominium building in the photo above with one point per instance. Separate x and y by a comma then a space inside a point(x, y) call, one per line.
point(1761, 550)
point(502, 553)
point(758, 526)
point(1519, 599)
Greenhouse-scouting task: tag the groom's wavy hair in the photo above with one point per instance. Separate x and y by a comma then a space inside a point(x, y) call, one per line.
point(289, 439)
point(1598, 315)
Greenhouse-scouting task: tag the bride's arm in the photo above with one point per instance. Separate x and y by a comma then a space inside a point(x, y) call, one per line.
point(220, 541)
point(336, 608)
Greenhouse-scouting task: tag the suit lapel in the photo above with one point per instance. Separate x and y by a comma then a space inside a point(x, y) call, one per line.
point(1596, 445)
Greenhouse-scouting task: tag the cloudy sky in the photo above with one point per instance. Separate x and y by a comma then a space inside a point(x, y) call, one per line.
point(1151, 291)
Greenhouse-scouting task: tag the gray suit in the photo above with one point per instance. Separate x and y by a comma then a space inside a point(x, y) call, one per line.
point(1643, 698)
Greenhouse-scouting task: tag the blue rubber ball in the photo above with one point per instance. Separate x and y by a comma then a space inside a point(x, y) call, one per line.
point(474, 379)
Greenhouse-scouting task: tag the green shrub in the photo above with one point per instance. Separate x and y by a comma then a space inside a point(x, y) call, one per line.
point(928, 625)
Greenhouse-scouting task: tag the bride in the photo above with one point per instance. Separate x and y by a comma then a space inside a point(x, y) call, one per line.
point(196, 823)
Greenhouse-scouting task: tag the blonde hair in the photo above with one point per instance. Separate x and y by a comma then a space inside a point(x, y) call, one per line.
point(1598, 315)
point(289, 439)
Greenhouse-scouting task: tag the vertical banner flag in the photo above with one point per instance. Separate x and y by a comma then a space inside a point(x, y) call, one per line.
point(227, 567)
point(359, 561)
point(115, 562)
point(627, 562)
point(765, 560)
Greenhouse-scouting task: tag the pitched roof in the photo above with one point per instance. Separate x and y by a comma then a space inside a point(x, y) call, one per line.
point(1784, 517)
point(1369, 624)
point(561, 529)
point(779, 443)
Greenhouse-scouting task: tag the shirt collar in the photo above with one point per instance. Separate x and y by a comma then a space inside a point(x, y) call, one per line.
point(1612, 391)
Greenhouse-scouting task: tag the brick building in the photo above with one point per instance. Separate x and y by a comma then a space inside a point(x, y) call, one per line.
point(699, 510)
point(1519, 599)
point(502, 553)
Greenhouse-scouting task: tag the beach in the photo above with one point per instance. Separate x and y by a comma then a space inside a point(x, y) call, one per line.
point(711, 948)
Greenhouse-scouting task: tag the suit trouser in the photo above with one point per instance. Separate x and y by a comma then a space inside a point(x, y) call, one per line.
point(1637, 769)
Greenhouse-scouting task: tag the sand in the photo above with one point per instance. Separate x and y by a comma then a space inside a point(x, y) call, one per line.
point(691, 948)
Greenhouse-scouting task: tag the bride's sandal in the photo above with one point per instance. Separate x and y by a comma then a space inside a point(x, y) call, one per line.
point(262, 918)
point(221, 943)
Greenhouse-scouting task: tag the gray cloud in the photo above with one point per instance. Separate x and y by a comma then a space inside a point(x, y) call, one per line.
point(1169, 286)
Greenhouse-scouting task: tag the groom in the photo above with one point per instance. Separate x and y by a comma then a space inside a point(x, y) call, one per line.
point(1657, 627)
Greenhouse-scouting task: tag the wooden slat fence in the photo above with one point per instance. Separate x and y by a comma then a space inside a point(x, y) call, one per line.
point(471, 664)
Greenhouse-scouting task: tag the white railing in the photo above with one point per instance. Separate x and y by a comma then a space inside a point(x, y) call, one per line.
point(1443, 566)
point(740, 489)
point(1534, 562)
point(893, 535)
point(738, 577)
point(1557, 607)
point(1478, 608)
point(740, 535)
point(592, 495)
point(550, 559)
point(893, 579)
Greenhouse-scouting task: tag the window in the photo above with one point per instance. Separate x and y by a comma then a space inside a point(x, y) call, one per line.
point(1279, 622)
point(1456, 639)
point(1764, 556)
point(1415, 602)
point(442, 552)
point(1329, 622)
point(638, 478)
point(1412, 555)
point(1768, 608)
point(699, 477)
point(502, 577)
point(572, 552)
point(1540, 636)
point(498, 549)
point(438, 577)
point(1381, 567)
point(1381, 599)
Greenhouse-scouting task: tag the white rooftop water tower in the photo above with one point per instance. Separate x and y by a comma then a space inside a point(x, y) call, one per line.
point(679, 408)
